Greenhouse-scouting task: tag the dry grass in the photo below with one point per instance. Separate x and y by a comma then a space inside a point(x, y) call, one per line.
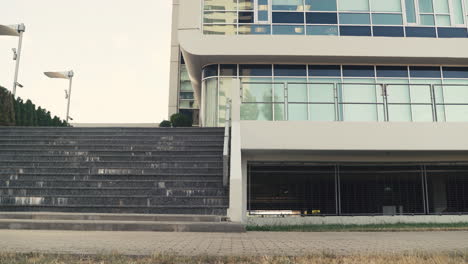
point(13, 258)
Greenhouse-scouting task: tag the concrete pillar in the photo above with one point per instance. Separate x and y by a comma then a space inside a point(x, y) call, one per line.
point(238, 182)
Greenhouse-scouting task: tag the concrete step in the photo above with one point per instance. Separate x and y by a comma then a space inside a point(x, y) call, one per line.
point(105, 142)
point(107, 171)
point(101, 225)
point(110, 217)
point(162, 183)
point(114, 191)
point(155, 209)
point(114, 146)
point(116, 200)
point(190, 176)
point(107, 158)
point(112, 164)
point(124, 153)
point(105, 138)
point(114, 129)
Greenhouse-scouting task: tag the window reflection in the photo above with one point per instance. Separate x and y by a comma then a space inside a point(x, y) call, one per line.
point(333, 92)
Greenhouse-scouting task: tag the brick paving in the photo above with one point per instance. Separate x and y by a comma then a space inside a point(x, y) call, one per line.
point(251, 243)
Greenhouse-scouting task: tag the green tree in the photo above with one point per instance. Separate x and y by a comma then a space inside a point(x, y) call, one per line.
point(7, 108)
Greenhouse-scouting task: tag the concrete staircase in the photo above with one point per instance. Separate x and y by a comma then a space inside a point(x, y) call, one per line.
point(131, 171)
point(117, 222)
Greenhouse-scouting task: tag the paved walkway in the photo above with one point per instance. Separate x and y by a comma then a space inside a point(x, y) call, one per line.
point(252, 243)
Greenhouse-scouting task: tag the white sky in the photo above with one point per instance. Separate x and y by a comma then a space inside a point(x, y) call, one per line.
point(119, 50)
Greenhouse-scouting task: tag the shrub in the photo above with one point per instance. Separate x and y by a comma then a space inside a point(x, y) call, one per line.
point(165, 123)
point(17, 112)
point(7, 108)
point(181, 120)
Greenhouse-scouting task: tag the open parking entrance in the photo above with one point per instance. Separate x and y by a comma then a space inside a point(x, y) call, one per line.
point(357, 189)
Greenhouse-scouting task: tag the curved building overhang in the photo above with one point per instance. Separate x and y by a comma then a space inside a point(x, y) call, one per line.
point(200, 50)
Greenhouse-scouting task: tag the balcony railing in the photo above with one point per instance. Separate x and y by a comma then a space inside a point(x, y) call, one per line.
point(347, 101)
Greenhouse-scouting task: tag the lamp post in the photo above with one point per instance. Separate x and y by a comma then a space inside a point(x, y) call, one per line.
point(16, 31)
point(64, 75)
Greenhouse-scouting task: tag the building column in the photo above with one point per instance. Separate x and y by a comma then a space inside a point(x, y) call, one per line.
point(238, 172)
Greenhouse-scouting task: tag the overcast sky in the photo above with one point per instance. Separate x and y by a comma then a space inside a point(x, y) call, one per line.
point(119, 50)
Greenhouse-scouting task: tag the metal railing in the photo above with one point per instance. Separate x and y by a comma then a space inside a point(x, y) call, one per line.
point(227, 141)
point(381, 102)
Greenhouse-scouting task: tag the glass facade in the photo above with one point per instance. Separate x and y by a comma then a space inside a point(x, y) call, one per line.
point(357, 189)
point(338, 93)
point(187, 103)
point(389, 18)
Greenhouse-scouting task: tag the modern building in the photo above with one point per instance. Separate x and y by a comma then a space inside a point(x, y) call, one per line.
point(338, 107)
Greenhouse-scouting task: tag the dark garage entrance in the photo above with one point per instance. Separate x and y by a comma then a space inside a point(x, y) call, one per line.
point(357, 189)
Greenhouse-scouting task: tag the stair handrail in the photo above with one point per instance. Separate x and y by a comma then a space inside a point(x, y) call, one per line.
point(227, 140)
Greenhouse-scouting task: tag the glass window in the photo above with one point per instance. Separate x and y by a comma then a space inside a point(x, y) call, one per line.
point(354, 19)
point(322, 30)
point(358, 71)
point(455, 92)
point(420, 94)
point(210, 71)
point(458, 16)
point(424, 72)
point(254, 29)
point(421, 32)
point(220, 4)
point(410, 11)
point(455, 72)
point(211, 102)
point(220, 29)
point(353, 5)
point(441, 6)
point(386, 5)
point(185, 83)
point(452, 32)
point(263, 11)
point(321, 5)
point(290, 70)
point(186, 95)
point(292, 5)
point(220, 17)
point(255, 70)
point(355, 31)
point(392, 71)
point(297, 97)
point(245, 4)
point(256, 90)
point(425, 6)
point(324, 70)
point(398, 95)
point(228, 70)
point(387, 19)
point(246, 17)
point(389, 31)
point(322, 91)
point(427, 20)
point(443, 20)
point(288, 30)
point(288, 17)
point(226, 85)
point(321, 18)
point(360, 92)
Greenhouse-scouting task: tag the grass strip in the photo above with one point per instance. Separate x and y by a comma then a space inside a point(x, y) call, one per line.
point(398, 227)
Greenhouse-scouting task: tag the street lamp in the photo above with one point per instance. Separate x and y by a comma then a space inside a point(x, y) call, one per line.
point(15, 31)
point(64, 75)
